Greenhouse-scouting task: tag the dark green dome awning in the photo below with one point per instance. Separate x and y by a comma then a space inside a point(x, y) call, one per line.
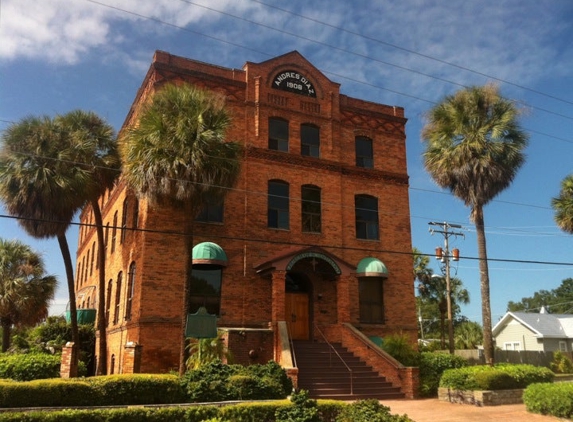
point(209, 253)
point(371, 267)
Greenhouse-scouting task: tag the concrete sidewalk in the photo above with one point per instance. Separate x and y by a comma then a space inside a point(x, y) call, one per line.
point(434, 410)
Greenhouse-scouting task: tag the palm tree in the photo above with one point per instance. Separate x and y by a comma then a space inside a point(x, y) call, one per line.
point(176, 155)
point(474, 148)
point(98, 156)
point(25, 291)
point(49, 170)
point(469, 335)
point(563, 205)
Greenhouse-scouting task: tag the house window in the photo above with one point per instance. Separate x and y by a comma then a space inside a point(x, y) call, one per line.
point(106, 237)
point(278, 205)
point(366, 210)
point(130, 290)
point(278, 134)
point(212, 212)
point(114, 232)
point(512, 345)
point(92, 259)
point(364, 152)
point(124, 220)
point(371, 300)
point(562, 346)
point(117, 298)
point(310, 140)
point(311, 212)
point(206, 288)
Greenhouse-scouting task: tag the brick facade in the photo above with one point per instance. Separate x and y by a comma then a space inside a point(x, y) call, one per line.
point(260, 259)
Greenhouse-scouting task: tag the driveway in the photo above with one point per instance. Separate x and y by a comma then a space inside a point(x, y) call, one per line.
point(434, 410)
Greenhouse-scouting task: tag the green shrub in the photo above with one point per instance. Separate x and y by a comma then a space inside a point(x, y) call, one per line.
point(303, 409)
point(369, 411)
point(432, 366)
point(503, 376)
point(26, 367)
point(561, 364)
point(401, 348)
point(218, 382)
point(550, 399)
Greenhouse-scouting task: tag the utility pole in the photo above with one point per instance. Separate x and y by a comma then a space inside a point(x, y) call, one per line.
point(444, 256)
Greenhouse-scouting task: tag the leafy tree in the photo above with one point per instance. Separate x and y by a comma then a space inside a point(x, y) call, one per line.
point(177, 155)
point(25, 290)
point(563, 205)
point(49, 170)
point(208, 350)
point(434, 291)
point(474, 148)
point(556, 301)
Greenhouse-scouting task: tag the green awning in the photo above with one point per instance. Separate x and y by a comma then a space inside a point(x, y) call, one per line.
point(371, 267)
point(209, 253)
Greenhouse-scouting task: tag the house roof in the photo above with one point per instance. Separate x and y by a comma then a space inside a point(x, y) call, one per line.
point(542, 324)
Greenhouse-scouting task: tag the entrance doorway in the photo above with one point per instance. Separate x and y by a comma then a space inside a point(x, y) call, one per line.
point(297, 305)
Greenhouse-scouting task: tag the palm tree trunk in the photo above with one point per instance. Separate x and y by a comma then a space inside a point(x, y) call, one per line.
point(6, 324)
point(186, 309)
point(101, 368)
point(484, 284)
point(65, 249)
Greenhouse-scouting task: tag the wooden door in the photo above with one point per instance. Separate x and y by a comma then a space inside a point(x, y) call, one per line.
point(297, 315)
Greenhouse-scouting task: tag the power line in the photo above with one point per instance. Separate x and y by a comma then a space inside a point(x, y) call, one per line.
point(290, 243)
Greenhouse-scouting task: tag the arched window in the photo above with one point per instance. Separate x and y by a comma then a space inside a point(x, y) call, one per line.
point(108, 301)
point(310, 140)
point(135, 213)
point(311, 209)
point(278, 134)
point(364, 152)
point(124, 220)
point(92, 259)
point(117, 297)
point(278, 204)
point(130, 291)
point(366, 211)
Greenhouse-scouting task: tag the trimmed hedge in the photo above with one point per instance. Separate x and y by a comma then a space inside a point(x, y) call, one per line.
point(499, 377)
point(129, 389)
point(550, 399)
point(328, 411)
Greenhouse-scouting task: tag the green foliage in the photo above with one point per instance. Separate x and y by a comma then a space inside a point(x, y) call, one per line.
point(207, 350)
point(303, 409)
point(217, 382)
point(468, 335)
point(432, 365)
point(550, 399)
point(400, 348)
point(561, 364)
point(369, 411)
point(504, 376)
point(556, 300)
point(26, 367)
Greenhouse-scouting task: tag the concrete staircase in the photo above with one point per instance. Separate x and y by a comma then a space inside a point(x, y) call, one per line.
point(323, 375)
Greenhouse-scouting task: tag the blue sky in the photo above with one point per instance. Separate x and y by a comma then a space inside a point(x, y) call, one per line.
point(59, 55)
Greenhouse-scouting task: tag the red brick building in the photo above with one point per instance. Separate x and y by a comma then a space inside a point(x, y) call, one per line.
point(314, 237)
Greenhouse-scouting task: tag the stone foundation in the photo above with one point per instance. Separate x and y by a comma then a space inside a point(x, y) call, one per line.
point(481, 397)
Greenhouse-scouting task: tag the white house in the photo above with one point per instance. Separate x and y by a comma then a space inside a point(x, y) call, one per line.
point(534, 332)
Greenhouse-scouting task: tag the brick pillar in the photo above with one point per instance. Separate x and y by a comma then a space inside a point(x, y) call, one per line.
point(69, 363)
point(343, 299)
point(132, 358)
point(278, 296)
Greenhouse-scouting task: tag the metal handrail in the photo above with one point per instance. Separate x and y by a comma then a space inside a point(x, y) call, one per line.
point(332, 349)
